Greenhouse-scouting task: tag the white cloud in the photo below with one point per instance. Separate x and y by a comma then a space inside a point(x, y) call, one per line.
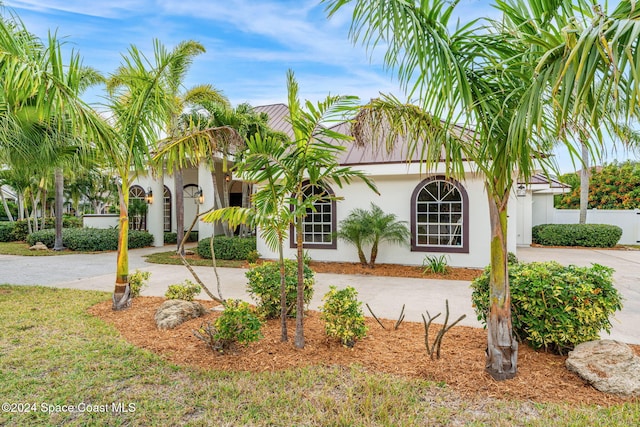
point(105, 9)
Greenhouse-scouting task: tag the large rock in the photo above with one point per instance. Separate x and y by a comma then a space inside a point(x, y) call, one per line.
point(610, 366)
point(176, 311)
point(39, 246)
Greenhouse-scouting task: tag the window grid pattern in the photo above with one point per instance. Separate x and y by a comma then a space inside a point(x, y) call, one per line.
point(439, 215)
point(317, 225)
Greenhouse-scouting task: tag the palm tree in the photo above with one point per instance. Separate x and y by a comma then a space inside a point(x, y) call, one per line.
point(141, 97)
point(291, 168)
point(372, 227)
point(513, 83)
point(41, 114)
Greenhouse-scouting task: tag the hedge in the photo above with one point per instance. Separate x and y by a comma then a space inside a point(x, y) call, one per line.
point(554, 307)
point(171, 237)
point(6, 232)
point(20, 228)
point(227, 247)
point(587, 235)
point(91, 239)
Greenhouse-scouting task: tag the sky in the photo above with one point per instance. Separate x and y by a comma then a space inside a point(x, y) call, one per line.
point(250, 44)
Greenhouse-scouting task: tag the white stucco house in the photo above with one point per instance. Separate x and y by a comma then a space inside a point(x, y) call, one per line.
point(445, 216)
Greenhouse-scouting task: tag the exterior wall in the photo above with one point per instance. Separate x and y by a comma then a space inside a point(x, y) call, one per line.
point(100, 221)
point(524, 207)
point(628, 220)
point(396, 184)
point(542, 209)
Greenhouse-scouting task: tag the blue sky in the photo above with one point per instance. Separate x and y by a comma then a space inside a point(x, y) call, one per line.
point(250, 43)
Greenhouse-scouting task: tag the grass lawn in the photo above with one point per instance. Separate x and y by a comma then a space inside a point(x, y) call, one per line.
point(172, 259)
point(22, 248)
point(53, 353)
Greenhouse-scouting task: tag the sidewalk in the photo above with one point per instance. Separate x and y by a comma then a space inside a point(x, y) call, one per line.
point(385, 295)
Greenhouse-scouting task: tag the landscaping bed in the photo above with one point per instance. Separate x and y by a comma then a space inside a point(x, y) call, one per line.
point(542, 377)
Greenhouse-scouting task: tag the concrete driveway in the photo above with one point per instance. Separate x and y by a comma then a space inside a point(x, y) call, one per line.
point(384, 295)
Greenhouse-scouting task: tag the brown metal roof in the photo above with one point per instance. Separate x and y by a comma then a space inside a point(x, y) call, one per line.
point(354, 154)
point(541, 178)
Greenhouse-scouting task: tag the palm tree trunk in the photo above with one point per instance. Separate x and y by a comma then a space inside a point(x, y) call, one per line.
point(217, 203)
point(584, 184)
point(59, 184)
point(374, 253)
point(6, 206)
point(299, 340)
point(244, 229)
point(122, 292)
point(502, 347)
point(283, 292)
point(179, 190)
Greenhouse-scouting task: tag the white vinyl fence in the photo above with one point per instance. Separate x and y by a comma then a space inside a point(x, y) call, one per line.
point(628, 220)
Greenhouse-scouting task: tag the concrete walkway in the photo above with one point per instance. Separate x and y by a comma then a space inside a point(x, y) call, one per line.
point(384, 295)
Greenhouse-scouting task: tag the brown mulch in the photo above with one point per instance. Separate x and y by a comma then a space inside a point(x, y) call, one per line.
point(542, 377)
point(394, 270)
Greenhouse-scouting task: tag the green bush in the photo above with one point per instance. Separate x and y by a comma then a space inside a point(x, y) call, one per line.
point(587, 235)
point(253, 256)
point(435, 264)
point(172, 238)
point(264, 287)
point(227, 247)
point(91, 239)
point(238, 323)
point(186, 290)
point(21, 228)
point(138, 281)
point(6, 229)
point(554, 307)
point(342, 314)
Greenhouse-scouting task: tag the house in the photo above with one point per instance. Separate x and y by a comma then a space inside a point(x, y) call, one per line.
point(446, 216)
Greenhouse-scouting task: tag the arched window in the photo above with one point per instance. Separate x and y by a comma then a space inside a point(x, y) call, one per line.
point(319, 225)
point(440, 216)
point(166, 198)
point(137, 208)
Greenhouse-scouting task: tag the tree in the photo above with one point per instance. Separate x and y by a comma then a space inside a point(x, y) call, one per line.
point(372, 227)
point(140, 100)
point(514, 84)
point(42, 118)
point(287, 169)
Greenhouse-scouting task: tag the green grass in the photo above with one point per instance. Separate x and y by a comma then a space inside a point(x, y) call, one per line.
point(22, 248)
point(170, 258)
point(53, 353)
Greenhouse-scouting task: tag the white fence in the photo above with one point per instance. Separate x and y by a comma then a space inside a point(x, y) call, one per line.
point(628, 220)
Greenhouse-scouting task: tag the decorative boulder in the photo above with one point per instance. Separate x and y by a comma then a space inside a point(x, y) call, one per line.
point(610, 366)
point(176, 311)
point(39, 246)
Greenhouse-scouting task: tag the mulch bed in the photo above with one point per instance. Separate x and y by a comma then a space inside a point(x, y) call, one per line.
point(542, 377)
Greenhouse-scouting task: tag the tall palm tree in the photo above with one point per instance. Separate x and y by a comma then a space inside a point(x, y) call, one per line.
point(141, 97)
point(288, 169)
point(513, 84)
point(41, 114)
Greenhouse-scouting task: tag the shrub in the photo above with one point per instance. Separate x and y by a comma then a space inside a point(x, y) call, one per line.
point(6, 231)
point(264, 287)
point(587, 235)
point(435, 264)
point(186, 290)
point(238, 323)
point(342, 314)
point(172, 238)
point(21, 228)
point(91, 239)
point(253, 256)
point(512, 258)
point(554, 307)
point(138, 281)
point(227, 247)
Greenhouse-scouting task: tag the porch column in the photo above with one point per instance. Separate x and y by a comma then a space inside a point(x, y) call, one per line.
point(205, 229)
point(155, 214)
